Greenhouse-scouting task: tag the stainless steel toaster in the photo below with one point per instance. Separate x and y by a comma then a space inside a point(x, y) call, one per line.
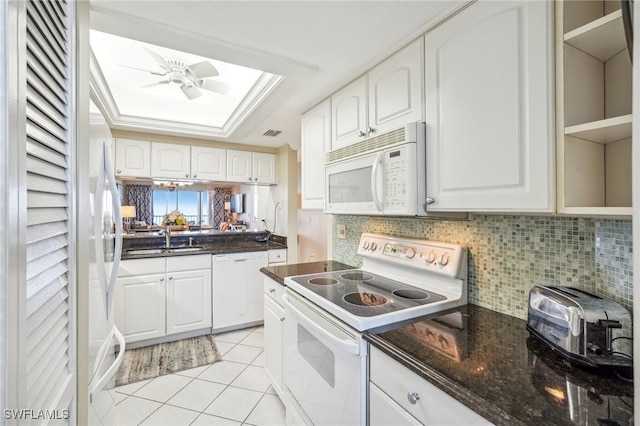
point(581, 326)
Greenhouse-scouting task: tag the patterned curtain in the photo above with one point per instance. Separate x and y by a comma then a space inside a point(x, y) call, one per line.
point(218, 197)
point(140, 196)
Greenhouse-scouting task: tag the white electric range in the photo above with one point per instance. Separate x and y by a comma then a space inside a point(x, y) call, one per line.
point(325, 355)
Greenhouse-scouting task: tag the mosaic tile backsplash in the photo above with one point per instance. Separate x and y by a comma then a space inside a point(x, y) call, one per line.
point(510, 254)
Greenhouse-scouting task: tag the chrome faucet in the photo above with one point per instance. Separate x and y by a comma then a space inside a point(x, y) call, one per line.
point(191, 241)
point(167, 237)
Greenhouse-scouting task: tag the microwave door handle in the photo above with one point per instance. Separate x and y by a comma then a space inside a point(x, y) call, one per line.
point(374, 187)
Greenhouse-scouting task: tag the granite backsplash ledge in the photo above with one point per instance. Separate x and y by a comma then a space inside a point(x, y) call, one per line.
point(510, 254)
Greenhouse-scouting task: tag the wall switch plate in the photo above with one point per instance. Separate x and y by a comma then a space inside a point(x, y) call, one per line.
point(342, 232)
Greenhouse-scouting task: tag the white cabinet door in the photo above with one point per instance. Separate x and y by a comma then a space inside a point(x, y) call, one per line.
point(383, 411)
point(133, 158)
point(273, 332)
point(349, 114)
point(316, 140)
point(239, 166)
point(489, 98)
point(208, 163)
point(188, 301)
point(396, 90)
point(170, 160)
point(140, 307)
point(263, 168)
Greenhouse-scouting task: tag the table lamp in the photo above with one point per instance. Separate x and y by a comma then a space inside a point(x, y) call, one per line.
point(128, 212)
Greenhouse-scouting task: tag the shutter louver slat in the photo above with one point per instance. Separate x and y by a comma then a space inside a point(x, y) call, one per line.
point(44, 200)
point(42, 263)
point(46, 169)
point(42, 232)
point(38, 135)
point(45, 91)
point(40, 216)
point(39, 360)
point(38, 150)
point(37, 117)
point(37, 318)
point(50, 376)
point(56, 317)
point(45, 247)
point(41, 281)
point(48, 27)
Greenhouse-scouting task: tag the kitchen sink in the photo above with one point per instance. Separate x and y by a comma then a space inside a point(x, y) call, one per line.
point(162, 250)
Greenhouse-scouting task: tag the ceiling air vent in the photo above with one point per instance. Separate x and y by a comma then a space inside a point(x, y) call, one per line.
point(272, 133)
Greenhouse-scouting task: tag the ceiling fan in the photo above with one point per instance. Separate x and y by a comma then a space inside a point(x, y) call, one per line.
point(191, 78)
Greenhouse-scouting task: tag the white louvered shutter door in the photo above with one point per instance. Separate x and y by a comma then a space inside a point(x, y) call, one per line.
point(49, 313)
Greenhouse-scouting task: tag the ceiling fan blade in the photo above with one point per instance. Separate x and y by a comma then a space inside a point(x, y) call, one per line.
point(143, 70)
point(214, 86)
point(159, 59)
point(156, 84)
point(190, 92)
point(203, 70)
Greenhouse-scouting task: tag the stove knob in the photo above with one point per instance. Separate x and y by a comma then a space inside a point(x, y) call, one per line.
point(431, 257)
point(374, 246)
point(444, 259)
point(410, 253)
point(365, 245)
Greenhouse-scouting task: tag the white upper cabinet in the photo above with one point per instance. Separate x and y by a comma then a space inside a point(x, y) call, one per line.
point(133, 158)
point(254, 167)
point(264, 167)
point(489, 98)
point(387, 97)
point(316, 140)
point(396, 90)
point(349, 114)
point(170, 160)
point(208, 163)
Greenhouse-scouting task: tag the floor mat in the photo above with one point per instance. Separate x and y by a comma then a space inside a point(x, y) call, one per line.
point(165, 358)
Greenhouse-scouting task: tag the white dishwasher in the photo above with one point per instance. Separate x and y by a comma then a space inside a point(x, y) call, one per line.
point(237, 290)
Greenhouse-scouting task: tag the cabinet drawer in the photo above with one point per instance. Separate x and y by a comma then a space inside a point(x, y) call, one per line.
point(133, 267)
point(433, 406)
point(278, 256)
point(188, 263)
point(274, 290)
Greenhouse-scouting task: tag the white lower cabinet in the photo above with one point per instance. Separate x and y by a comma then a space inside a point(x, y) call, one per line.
point(158, 297)
point(273, 334)
point(237, 289)
point(398, 396)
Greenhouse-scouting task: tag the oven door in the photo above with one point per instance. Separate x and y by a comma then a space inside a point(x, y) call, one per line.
point(325, 366)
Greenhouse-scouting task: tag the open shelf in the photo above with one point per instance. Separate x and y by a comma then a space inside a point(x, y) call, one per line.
point(603, 131)
point(602, 38)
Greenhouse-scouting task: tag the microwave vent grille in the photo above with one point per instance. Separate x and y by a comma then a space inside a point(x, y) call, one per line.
point(393, 137)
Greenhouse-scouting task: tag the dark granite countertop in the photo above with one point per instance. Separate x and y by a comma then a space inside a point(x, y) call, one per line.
point(209, 243)
point(279, 273)
point(500, 372)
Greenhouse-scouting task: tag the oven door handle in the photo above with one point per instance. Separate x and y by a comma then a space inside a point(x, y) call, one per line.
point(346, 345)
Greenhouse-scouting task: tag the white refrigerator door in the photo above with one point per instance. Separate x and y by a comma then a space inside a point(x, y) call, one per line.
point(106, 236)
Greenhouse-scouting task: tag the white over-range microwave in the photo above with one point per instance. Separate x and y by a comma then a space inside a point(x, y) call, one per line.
point(384, 175)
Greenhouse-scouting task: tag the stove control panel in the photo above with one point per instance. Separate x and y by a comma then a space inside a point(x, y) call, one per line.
point(434, 256)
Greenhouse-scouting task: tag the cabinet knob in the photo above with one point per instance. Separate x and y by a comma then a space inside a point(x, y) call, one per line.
point(361, 134)
point(170, 278)
point(413, 397)
point(118, 171)
point(371, 130)
point(186, 175)
point(195, 175)
point(272, 290)
point(429, 201)
point(281, 319)
point(162, 279)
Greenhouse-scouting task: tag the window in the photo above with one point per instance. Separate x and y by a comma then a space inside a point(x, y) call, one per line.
point(194, 205)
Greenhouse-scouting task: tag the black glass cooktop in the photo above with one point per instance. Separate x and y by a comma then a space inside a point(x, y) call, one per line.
point(365, 294)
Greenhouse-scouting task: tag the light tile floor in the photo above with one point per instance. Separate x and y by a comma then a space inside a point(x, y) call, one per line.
point(235, 391)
